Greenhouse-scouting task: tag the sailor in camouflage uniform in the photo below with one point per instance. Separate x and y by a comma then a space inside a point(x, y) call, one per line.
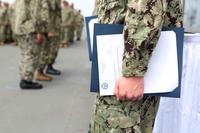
point(55, 39)
point(79, 25)
point(129, 111)
point(31, 26)
point(73, 24)
point(67, 21)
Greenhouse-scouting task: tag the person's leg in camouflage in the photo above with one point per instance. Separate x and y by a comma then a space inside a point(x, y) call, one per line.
point(29, 59)
point(71, 32)
point(111, 115)
point(54, 42)
point(44, 57)
point(79, 30)
point(65, 36)
point(54, 49)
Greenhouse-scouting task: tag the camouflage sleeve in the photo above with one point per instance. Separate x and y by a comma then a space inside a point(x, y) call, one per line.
point(112, 11)
point(143, 23)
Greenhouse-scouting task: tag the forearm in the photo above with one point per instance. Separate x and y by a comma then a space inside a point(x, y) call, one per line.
point(143, 24)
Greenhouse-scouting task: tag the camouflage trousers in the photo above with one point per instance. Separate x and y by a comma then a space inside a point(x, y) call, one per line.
point(79, 31)
point(45, 49)
point(71, 33)
point(30, 54)
point(49, 52)
point(54, 42)
point(65, 35)
point(113, 116)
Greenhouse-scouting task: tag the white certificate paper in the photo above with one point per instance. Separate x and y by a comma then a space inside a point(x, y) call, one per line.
point(162, 74)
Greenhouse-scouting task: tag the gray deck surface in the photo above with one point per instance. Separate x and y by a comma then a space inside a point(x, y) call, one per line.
point(63, 106)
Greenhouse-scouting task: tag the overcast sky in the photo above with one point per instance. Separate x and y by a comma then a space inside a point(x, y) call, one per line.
point(85, 5)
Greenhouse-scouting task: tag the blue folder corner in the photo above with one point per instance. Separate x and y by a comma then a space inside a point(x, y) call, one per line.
point(87, 20)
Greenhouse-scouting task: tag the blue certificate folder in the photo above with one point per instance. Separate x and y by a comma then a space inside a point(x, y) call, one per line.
point(87, 20)
point(108, 29)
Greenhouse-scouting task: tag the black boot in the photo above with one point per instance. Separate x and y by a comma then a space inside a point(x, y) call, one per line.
point(52, 71)
point(24, 84)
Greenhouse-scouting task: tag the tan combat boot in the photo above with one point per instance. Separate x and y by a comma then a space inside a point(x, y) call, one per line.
point(43, 77)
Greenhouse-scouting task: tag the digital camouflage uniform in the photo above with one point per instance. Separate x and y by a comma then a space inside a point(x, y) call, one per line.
point(73, 26)
point(143, 21)
point(46, 47)
point(31, 17)
point(44, 52)
point(79, 25)
point(96, 7)
point(56, 29)
point(67, 20)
